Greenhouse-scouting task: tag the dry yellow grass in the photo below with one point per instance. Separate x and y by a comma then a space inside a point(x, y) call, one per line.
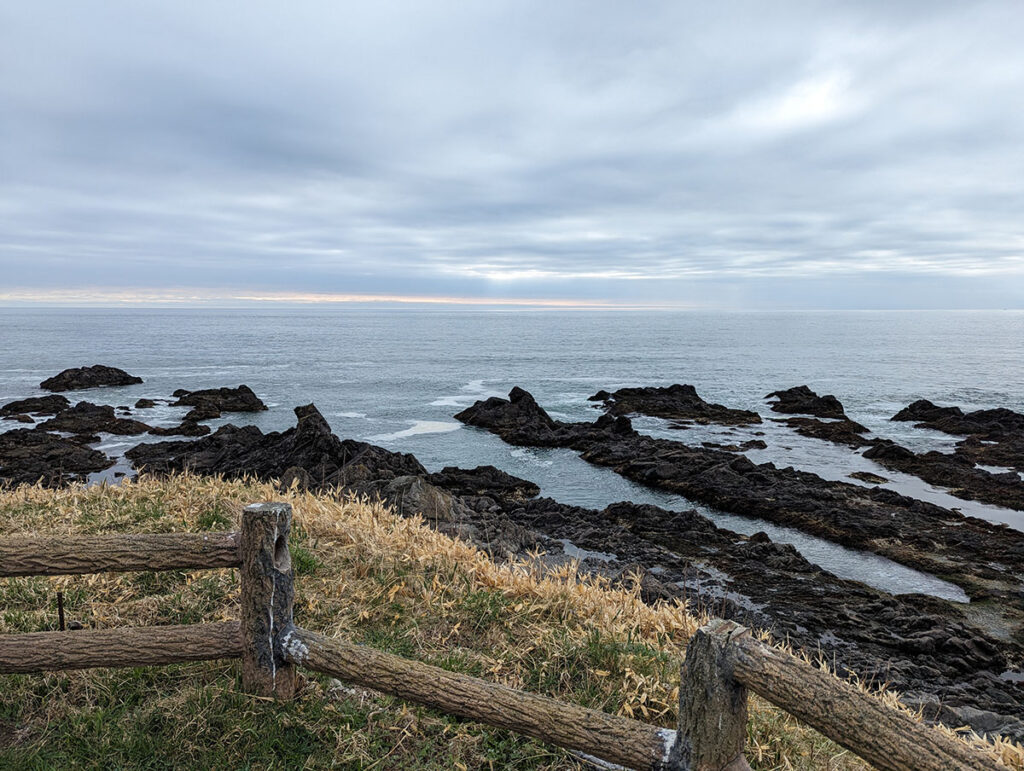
point(371, 576)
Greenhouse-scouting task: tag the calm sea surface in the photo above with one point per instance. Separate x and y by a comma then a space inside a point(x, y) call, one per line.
point(396, 377)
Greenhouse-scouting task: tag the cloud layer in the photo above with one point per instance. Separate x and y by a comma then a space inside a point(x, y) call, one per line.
point(746, 154)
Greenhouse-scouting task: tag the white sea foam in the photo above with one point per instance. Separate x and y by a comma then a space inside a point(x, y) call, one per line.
point(418, 427)
point(350, 414)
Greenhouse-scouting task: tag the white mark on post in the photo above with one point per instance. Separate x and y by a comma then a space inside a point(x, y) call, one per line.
point(270, 611)
point(295, 648)
point(669, 737)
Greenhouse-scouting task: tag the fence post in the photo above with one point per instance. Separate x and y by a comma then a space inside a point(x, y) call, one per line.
point(712, 705)
point(267, 592)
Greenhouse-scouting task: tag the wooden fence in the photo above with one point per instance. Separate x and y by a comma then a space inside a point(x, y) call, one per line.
point(723, 661)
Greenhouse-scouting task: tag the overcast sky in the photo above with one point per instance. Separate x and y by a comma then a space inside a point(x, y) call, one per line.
point(701, 154)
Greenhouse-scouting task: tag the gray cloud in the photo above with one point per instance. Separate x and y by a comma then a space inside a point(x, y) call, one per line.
point(752, 154)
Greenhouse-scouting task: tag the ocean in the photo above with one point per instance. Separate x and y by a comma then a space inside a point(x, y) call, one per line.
point(396, 378)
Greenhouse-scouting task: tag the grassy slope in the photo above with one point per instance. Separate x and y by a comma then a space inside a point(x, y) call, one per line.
point(364, 574)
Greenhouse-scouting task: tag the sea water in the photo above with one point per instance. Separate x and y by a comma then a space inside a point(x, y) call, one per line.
point(396, 378)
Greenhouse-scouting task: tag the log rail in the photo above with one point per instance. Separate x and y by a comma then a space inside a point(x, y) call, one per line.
point(723, 662)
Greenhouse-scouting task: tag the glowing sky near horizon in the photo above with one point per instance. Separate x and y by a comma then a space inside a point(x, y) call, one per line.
point(571, 154)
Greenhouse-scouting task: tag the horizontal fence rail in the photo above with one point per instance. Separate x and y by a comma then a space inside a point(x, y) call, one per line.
point(78, 554)
point(723, 662)
point(125, 647)
point(889, 739)
point(615, 739)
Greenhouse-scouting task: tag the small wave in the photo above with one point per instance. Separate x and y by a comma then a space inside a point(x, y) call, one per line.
point(350, 414)
point(418, 427)
point(528, 455)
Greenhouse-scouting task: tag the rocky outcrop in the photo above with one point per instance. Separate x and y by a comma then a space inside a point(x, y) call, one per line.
point(28, 456)
point(952, 471)
point(484, 480)
point(994, 437)
point(328, 462)
point(679, 403)
point(217, 400)
point(88, 418)
point(145, 404)
point(37, 405)
point(96, 376)
point(802, 400)
point(984, 559)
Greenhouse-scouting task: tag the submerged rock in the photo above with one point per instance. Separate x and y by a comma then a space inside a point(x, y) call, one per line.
point(89, 377)
point(802, 400)
point(676, 402)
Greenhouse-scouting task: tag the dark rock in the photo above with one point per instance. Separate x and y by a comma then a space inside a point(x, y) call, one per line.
point(185, 428)
point(801, 399)
point(20, 418)
point(954, 472)
point(37, 405)
point(676, 402)
point(88, 418)
point(145, 404)
point(240, 399)
point(923, 411)
point(994, 437)
point(203, 411)
point(518, 419)
point(867, 476)
point(750, 444)
point(247, 451)
point(843, 431)
point(483, 480)
point(89, 377)
point(28, 456)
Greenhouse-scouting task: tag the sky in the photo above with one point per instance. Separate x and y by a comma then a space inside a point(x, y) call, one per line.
point(600, 154)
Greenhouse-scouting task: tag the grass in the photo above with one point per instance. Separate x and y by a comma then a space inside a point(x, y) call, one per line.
point(369, 576)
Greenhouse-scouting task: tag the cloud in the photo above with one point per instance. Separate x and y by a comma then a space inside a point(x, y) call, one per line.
point(527, 150)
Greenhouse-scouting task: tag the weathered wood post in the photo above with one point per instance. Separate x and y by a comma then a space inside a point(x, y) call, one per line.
point(712, 705)
point(267, 593)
